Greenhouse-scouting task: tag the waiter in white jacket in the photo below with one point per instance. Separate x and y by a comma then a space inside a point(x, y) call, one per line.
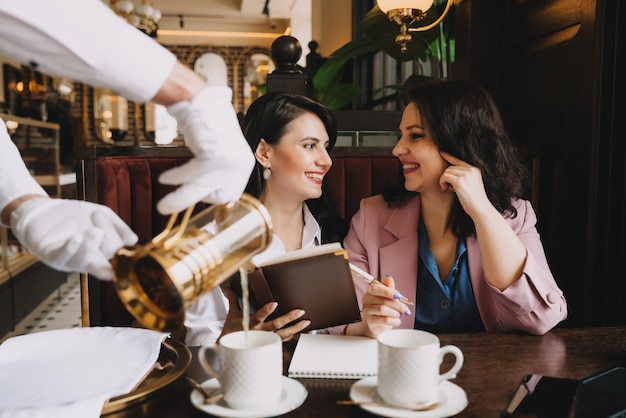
point(56, 38)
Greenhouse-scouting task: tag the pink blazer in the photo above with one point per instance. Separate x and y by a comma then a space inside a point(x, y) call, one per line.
point(383, 240)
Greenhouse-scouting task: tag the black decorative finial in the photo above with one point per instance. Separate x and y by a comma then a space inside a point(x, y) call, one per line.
point(286, 51)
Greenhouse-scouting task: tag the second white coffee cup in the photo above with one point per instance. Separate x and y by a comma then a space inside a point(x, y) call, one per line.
point(250, 372)
point(408, 367)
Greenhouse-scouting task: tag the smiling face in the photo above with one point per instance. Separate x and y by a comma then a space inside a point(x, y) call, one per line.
point(299, 161)
point(422, 165)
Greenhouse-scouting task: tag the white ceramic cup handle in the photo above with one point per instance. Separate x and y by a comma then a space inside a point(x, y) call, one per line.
point(458, 354)
point(205, 364)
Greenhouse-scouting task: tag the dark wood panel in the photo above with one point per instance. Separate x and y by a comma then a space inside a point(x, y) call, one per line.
point(564, 210)
point(7, 320)
point(367, 120)
point(606, 287)
point(478, 39)
point(537, 18)
point(548, 103)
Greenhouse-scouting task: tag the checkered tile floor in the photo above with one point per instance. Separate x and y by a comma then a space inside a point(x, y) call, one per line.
point(58, 311)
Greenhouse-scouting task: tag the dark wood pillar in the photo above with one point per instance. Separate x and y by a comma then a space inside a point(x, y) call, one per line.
point(287, 77)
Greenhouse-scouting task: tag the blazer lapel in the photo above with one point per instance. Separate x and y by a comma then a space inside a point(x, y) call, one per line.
point(398, 258)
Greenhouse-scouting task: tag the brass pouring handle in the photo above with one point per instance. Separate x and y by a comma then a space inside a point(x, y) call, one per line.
point(165, 234)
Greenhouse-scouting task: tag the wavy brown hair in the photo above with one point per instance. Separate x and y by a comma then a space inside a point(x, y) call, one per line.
point(465, 122)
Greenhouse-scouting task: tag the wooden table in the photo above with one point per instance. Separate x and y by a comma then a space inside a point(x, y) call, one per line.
point(494, 365)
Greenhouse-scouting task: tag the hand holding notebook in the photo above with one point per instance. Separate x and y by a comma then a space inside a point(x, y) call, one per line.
point(316, 279)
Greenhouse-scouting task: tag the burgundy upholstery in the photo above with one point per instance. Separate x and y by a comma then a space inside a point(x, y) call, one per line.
point(352, 178)
point(129, 185)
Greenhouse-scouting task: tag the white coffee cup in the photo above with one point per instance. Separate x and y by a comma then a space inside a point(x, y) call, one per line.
point(251, 366)
point(408, 367)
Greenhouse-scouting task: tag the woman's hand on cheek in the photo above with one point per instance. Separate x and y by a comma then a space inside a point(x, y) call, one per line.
point(381, 310)
point(466, 181)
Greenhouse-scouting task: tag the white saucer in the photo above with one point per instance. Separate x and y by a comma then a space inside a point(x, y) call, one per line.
point(452, 397)
point(294, 394)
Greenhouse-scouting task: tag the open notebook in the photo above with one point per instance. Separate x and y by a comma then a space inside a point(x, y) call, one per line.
point(334, 357)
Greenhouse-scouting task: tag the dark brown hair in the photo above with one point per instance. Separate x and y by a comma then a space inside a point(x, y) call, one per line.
point(465, 122)
point(268, 118)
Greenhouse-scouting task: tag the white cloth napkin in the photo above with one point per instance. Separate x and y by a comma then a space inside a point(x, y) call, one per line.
point(72, 372)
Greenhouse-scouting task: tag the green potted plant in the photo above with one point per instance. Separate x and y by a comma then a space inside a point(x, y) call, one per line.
point(379, 34)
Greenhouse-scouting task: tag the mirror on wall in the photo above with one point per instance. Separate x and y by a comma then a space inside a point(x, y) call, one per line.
point(212, 68)
point(110, 115)
point(159, 126)
point(256, 69)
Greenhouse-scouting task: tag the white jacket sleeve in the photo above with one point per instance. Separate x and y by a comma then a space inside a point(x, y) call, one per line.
point(205, 317)
point(15, 179)
point(84, 40)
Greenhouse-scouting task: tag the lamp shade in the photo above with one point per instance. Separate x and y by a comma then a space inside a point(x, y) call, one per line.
point(386, 5)
point(145, 10)
point(156, 15)
point(124, 6)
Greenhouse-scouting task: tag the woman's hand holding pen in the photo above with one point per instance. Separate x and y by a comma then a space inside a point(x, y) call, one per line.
point(382, 308)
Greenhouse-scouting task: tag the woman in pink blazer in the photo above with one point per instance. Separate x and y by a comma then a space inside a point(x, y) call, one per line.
point(458, 238)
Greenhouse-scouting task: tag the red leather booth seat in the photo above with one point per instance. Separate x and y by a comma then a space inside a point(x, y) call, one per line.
point(352, 178)
point(129, 185)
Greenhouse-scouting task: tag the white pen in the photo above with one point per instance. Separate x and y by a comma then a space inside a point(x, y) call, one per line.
point(371, 279)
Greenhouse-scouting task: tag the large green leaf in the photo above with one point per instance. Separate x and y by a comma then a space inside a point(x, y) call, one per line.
point(339, 95)
point(379, 34)
point(330, 72)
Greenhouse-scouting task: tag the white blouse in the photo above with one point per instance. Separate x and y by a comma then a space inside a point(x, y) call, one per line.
point(204, 319)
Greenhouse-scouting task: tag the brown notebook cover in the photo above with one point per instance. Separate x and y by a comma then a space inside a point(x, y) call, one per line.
point(320, 284)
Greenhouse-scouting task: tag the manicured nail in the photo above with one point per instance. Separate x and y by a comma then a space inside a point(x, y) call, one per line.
point(299, 313)
point(407, 312)
point(273, 306)
point(397, 295)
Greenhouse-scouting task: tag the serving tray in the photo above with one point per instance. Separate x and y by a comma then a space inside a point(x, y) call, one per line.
point(173, 360)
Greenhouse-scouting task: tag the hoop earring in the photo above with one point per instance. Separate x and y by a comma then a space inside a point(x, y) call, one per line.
point(267, 173)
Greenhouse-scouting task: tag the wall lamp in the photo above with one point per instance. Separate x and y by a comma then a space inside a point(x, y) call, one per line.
point(12, 126)
point(407, 12)
point(36, 90)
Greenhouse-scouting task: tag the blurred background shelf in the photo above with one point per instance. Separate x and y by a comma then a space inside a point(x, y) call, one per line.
point(24, 281)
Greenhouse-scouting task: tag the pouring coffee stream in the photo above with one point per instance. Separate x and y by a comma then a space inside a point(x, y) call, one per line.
point(245, 296)
point(159, 280)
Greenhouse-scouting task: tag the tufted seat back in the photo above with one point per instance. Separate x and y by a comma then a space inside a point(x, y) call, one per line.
point(352, 178)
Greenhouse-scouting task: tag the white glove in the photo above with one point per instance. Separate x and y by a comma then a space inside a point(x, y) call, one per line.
point(222, 161)
point(71, 235)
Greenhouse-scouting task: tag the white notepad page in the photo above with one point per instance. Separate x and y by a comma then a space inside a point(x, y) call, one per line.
point(334, 357)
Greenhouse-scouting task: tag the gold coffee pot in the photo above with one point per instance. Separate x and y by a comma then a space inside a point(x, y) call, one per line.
point(159, 280)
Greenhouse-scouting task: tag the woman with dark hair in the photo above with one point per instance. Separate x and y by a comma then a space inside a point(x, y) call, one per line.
point(291, 137)
point(458, 237)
